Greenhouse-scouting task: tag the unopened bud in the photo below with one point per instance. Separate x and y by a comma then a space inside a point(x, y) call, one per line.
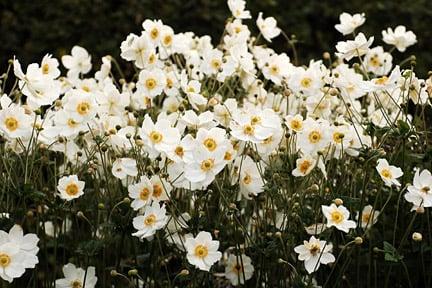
point(358, 240)
point(416, 236)
point(338, 201)
point(133, 272)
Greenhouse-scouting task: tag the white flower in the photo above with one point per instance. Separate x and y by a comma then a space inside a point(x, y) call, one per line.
point(378, 62)
point(247, 172)
point(237, 8)
point(314, 136)
point(304, 166)
point(78, 62)
point(202, 251)
point(238, 269)
point(151, 83)
point(154, 218)
point(15, 123)
point(80, 104)
point(369, 216)
point(74, 277)
point(348, 23)
point(314, 253)
point(388, 173)
point(17, 252)
point(400, 38)
point(70, 187)
point(124, 167)
point(141, 193)
point(420, 193)
point(137, 48)
point(11, 261)
point(354, 48)
point(160, 136)
point(268, 27)
point(294, 123)
point(338, 216)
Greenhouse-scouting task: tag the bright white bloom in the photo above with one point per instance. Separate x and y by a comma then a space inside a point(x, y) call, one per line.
point(70, 187)
point(159, 136)
point(238, 269)
point(74, 277)
point(354, 48)
point(314, 136)
point(348, 22)
point(237, 8)
point(369, 216)
point(153, 28)
point(14, 122)
point(80, 104)
point(400, 38)
point(202, 251)
point(17, 252)
point(151, 83)
point(78, 62)
point(420, 193)
point(338, 216)
point(154, 219)
point(304, 166)
point(247, 172)
point(294, 123)
point(314, 253)
point(388, 173)
point(124, 167)
point(268, 27)
point(141, 193)
point(137, 48)
point(11, 261)
point(378, 62)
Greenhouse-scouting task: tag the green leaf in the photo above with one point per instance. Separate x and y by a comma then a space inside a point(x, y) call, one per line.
point(390, 253)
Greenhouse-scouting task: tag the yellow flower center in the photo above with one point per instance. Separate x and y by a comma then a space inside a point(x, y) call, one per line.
point(314, 248)
point(248, 129)
point(337, 137)
point(425, 189)
point(179, 151)
point(386, 173)
point(150, 220)
point(11, 123)
point(4, 260)
point(227, 156)
point(201, 251)
point(169, 83)
point(336, 216)
point(304, 166)
point(216, 64)
point(374, 61)
point(72, 189)
point(71, 123)
point(296, 125)
point(154, 33)
point(314, 137)
point(156, 137)
point(206, 165)
point(150, 83)
point(144, 194)
point(366, 217)
point(274, 70)
point(86, 88)
point(236, 268)
point(167, 40)
point(382, 80)
point(255, 120)
point(306, 82)
point(83, 108)
point(247, 179)
point(210, 144)
point(76, 284)
point(45, 69)
point(157, 190)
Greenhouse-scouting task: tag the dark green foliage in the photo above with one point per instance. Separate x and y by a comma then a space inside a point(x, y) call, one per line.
point(29, 29)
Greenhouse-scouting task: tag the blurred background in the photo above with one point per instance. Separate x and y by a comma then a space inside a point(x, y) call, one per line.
point(30, 29)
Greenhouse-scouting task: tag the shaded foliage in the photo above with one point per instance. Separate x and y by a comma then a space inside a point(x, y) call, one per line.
point(30, 29)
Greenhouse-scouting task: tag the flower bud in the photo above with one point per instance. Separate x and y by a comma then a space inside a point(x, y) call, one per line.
point(416, 236)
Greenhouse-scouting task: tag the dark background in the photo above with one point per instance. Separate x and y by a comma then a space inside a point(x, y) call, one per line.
point(31, 28)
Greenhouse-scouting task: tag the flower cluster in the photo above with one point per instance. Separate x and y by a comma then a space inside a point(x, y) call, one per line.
point(209, 151)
